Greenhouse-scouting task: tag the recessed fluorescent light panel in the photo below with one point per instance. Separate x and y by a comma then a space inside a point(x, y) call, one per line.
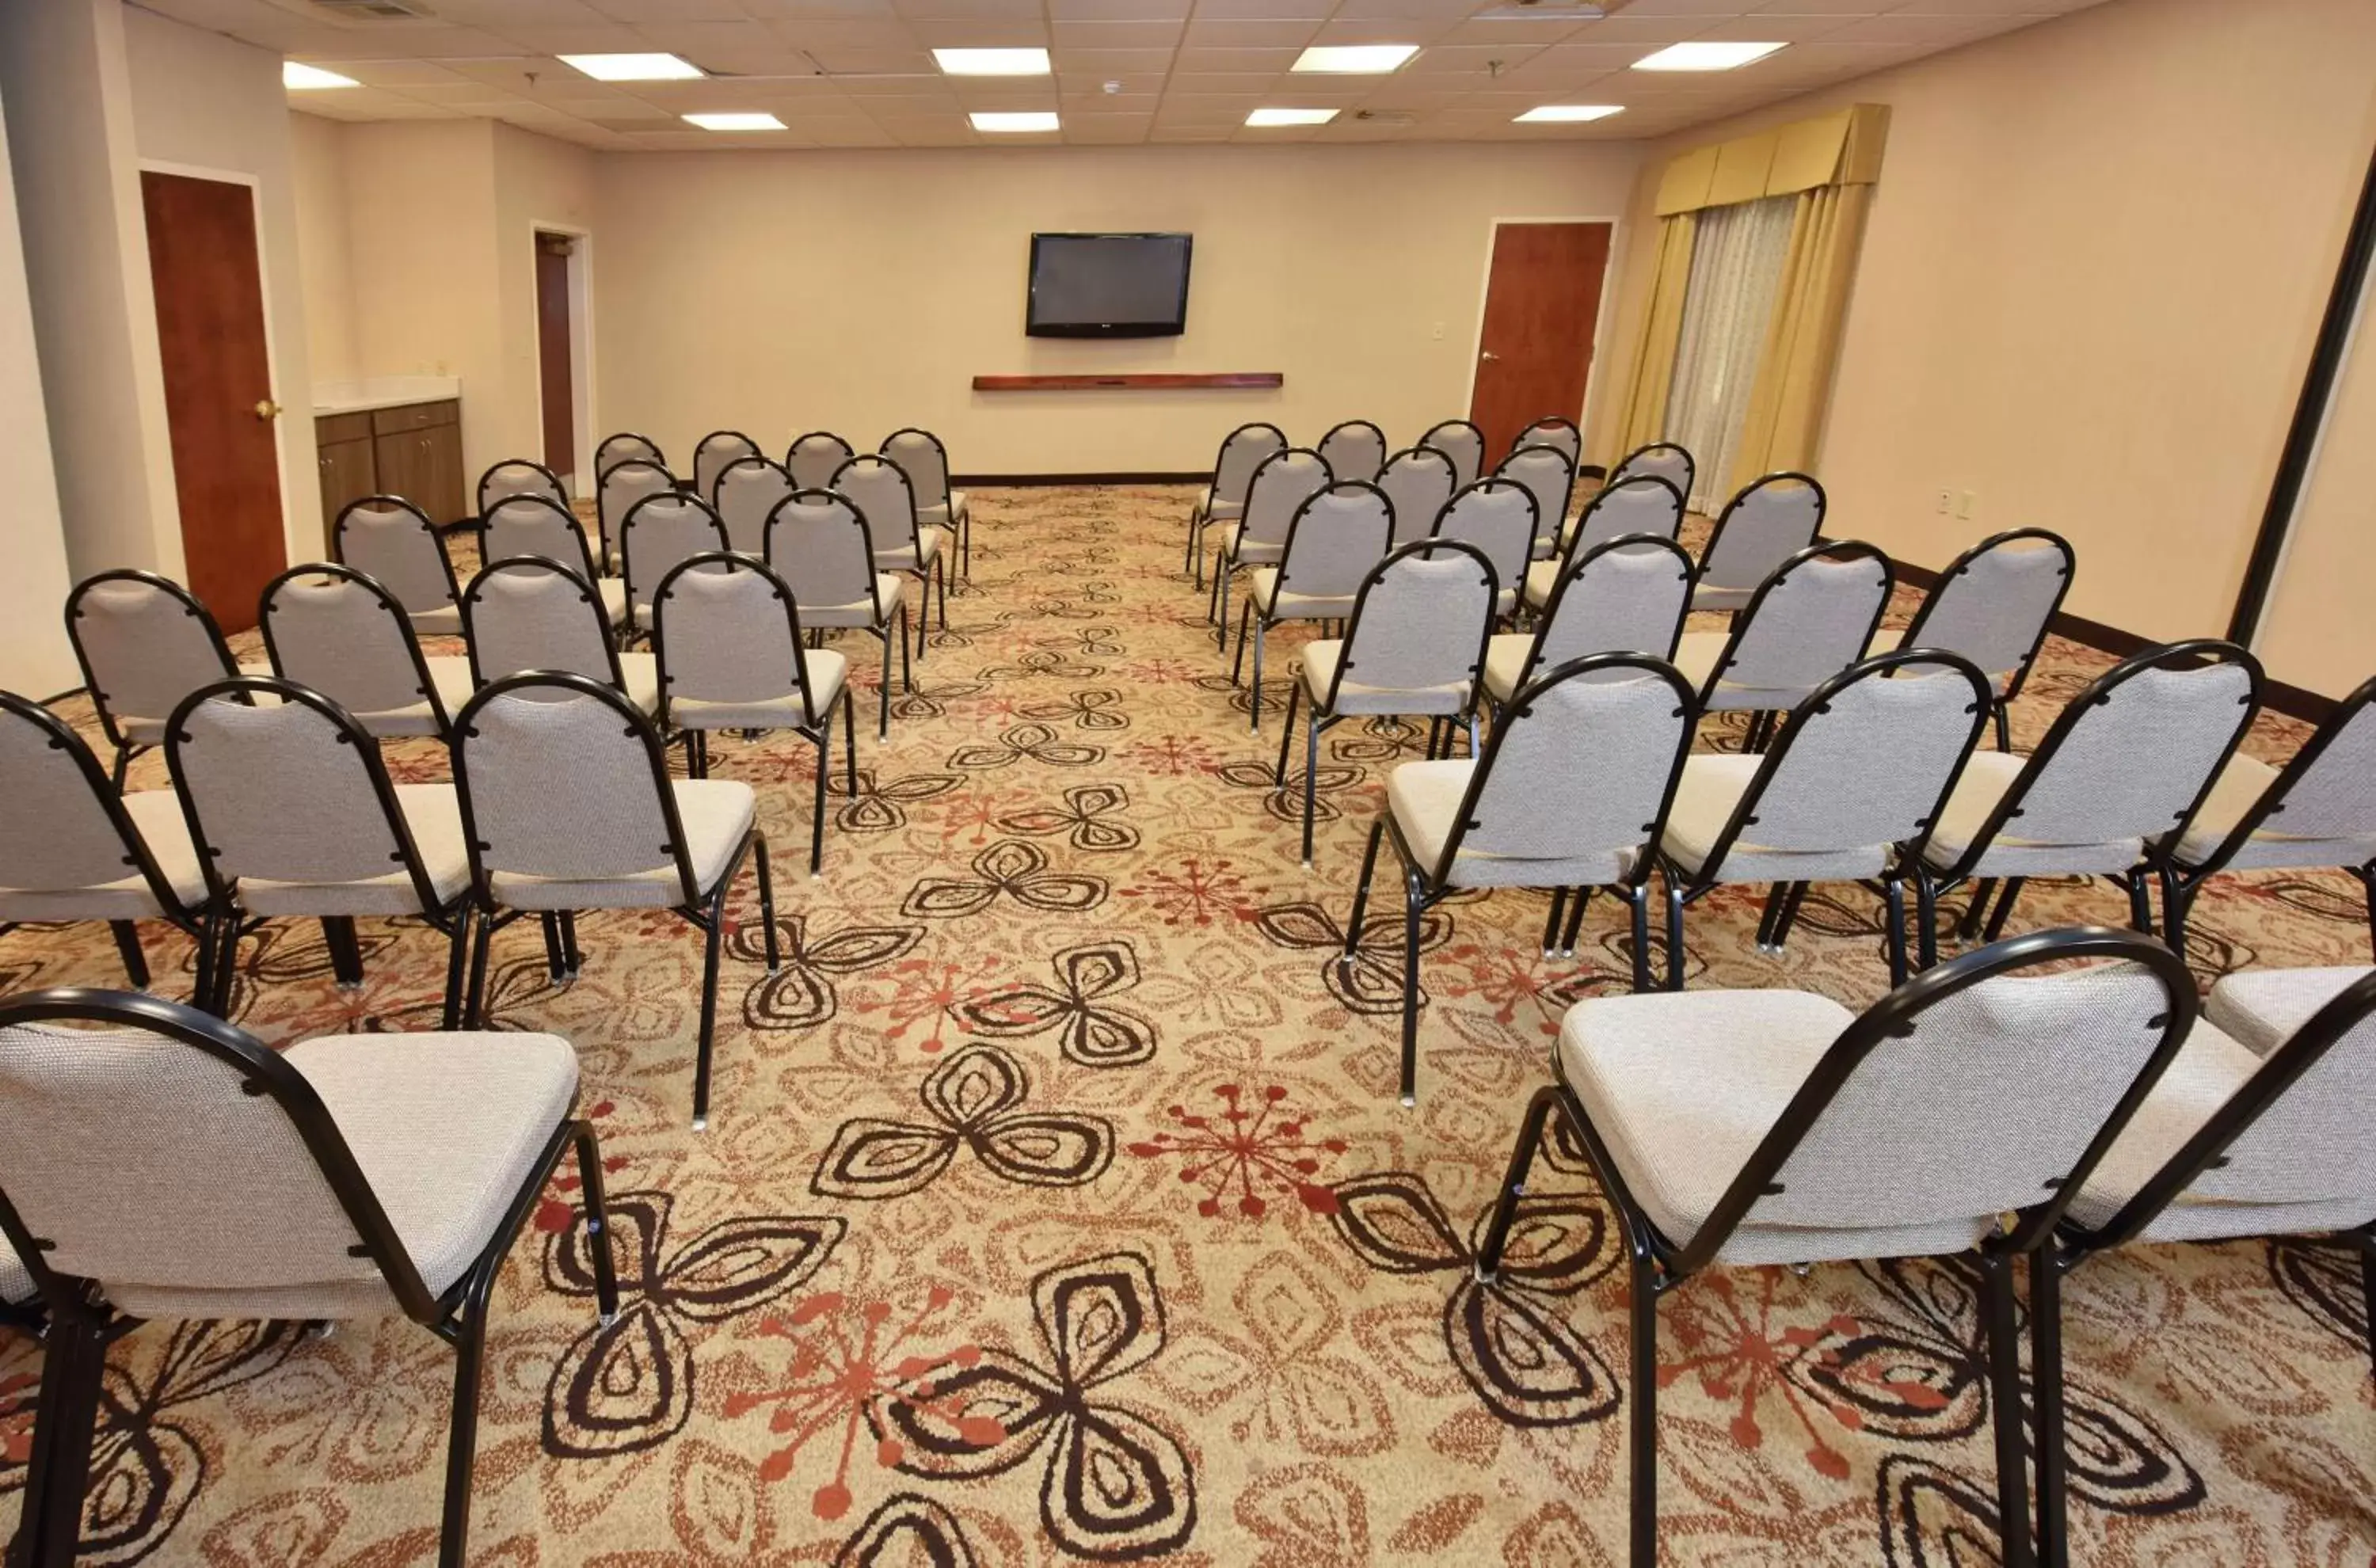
point(735, 122)
point(1011, 120)
point(1704, 56)
point(1290, 116)
point(1569, 113)
point(1355, 59)
point(309, 78)
point(632, 67)
point(992, 62)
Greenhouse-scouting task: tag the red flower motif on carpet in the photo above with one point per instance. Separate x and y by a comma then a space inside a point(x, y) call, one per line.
point(1193, 894)
point(1738, 1354)
point(1243, 1149)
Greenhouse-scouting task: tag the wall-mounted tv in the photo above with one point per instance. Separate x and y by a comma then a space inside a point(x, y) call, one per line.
point(1108, 286)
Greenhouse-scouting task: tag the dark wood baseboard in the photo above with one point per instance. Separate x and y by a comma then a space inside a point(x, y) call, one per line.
point(1143, 380)
point(1149, 476)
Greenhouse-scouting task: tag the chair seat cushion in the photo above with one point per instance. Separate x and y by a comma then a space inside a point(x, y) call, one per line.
point(1709, 597)
point(451, 678)
point(826, 671)
point(1710, 791)
point(858, 612)
point(1270, 603)
point(1697, 654)
point(2240, 787)
point(157, 816)
point(16, 1280)
point(613, 593)
point(2262, 1009)
point(1425, 798)
point(1505, 662)
point(1890, 639)
point(142, 730)
point(1317, 665)
point(927, 548)
point(433, 814)
point(716, 813)
point(1542, 577)
point(639, 677)
point(1986, 777)
point(446, 620)
point(1681, 1087)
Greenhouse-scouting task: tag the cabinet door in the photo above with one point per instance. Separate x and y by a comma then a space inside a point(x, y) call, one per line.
point(348, 473)
point(404, 469)
point(445, 486)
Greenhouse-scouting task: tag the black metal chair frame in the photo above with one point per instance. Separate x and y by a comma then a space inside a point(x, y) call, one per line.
point(706, 912)
point(602, 468)
point(1761, 721)
point(1225, 560)
point(1425, 887)
point(125, 750)
point(1814, 535)
point(1427, 440)
point(83, 1325)
point(1583, 518)
point(1490, 482)
point(1419, 453)
point(1963, 564)
point(961, 527)
point(760, 459)
point(1198, 520)
point(923, 571)
point(1691, 464)
point(880, 630)
point(848, 451)
point(1658, 1266)
point(1261, 624)
point(628, 555)
point(584, 586)
point(1537, 549)
point(1386, 449)
point(386, 600)
point(1325, 716)
point(692, 482)
point(398, 502)
point(612, 551)
point(1531, 435)
point(1576, 568)
point(550, 478)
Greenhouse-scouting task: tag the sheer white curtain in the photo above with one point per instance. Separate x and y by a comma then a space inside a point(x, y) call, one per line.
point(1736, 258)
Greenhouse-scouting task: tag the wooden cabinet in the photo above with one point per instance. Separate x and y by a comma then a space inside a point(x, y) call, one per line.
point(413, 450)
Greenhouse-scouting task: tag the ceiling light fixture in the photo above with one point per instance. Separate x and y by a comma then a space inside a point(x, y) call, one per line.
point(1354, 59)
point(1704, 56)
point(992, 62)
point(1290, 116)
point(1568, 113)
point(1010, 121)
point(308, 78)
point(735, 122)
point(632, 67)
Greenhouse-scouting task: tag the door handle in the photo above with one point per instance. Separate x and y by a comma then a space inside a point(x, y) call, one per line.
point(266, 409)
point(1489, 356)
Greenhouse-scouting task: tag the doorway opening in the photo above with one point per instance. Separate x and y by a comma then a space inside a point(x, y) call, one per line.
point(1542, 307)
point(560, 351)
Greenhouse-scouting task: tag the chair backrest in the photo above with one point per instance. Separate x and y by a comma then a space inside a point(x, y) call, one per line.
point(1334, 539)
point(1498, 517)
point(1242, 451)
point(2328, 790)
point(627, 446)
point(1648, 506)
point(144, 642)
point(727, 631)
point(1772, 519)
point(533, 613)
point(1419, 621)
point(1354, 449)
point(748, 489)
point(560, 777)
point(537, 525)
point(292, 791)
point(64, 826)
point(334, 630)
point(879, 489)
point(924, 460)
point(1464, 444)
point(817, 540)
point(1282, 481)
point(1971, 1091)
point(624, 484)
point(394, 542)
point(1550, 477)
point(1867, 760)
point(2133, 755)
point(718, 448)
point(1994, 602)
point(1416, 482)
point(1553, 432)
point(660, 531)
point(1811, 619)
point(812, 459)
point(519, 476)
point(1629, 595)
point(1583, 764)
point(1662, 458)
point(167, 1151)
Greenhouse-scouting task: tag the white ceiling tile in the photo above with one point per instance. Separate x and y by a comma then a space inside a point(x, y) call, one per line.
point(672, 10)
point(1118, 10)
point(1091, 89)
point(1116, 35)
point(395, 73)
point(1194, 82)
point(1466, 59)
point(1775, 30)
point(1628, 28)
point(1932, 32)
point(1111, 62)
point(844, 34)
point(818, 10)
point(1259, 10)
point(1233, 32)
point(1827, 7)
point(891, 83)
point(843, 62)
point(1269, 61)
point(982, 34)
point(967, 10)
point(1534, 32)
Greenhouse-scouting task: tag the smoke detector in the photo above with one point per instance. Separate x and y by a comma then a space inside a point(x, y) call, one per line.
point(374, 10)
point(1385, 116)
point(1546, 10)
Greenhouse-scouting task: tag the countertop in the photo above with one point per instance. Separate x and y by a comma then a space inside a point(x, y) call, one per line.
point(382, 392)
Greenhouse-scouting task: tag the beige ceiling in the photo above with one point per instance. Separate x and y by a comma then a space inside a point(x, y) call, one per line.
point(857, 73)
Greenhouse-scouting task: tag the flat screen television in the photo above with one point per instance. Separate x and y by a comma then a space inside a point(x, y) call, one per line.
point(1108, 286)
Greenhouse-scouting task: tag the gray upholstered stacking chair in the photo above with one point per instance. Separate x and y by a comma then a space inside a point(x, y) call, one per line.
point(1332, 541)
point(2318, 811)
point(72, 848)
point(299, 820)
point(715, 450)
point(1662, 459)
point(393, 541)
point(1282, 481)
point(627, 446)
point(1464, 444)
point(1771, 520)
point(145, 643)
point(1410, 639)
point(925, 461)
point(817, 541)
point(732, 658)
point(1959, 1115)
point(1549, 474)
point(1993, 605)
point(903, 542)
point(336, 630)
point(176, 1167)
point(1416, 482)
point(2110, 792)
point(530, 612)
point(568, 805)
point(1571, 791)
point(1245, 449)
point(1627, 595)
point(2233, 1143)
point(1498, 517)
point(623, 485)
point(519, 476)
point(812, 459)
point(1851, 792)
point(748, 489)
point(535, 527)
point(658, 532)
point(1809, 620)
point(1553, 432)
point(1354, 449)
point(1648, 506)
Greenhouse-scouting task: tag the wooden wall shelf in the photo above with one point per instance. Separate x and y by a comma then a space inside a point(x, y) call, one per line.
point(1240, 380)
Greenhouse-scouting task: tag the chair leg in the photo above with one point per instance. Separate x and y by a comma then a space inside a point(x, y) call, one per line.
point(1639, 899)
point(462, 1438)
point(907, 665)
point(1311, 766)
point(1513, 1183)
point(1361, 891)
point(1674, 937)
point(713, 930)
point(1221, 599)
point(2368, 890)
point(1968, 927)
point(73, 1370)
point(2140, 891)
point(1641, 1431)
point(2004, 1397)
point(2046, 1384)
point(1287, 737)
point(572, 961)
point(767, 903)
point(122, 766)
point(346, 952)
point(127, 943)
point(1926, 919)
point(597, 1221)
point(482, 936)
point(555, 964)
point(2002, 712)
point(849, 735)
point(1472, 734)
point(2004, 907)
point(824, 767)
point(1551, 921)
point(2175, 897)
point(1413, 904)
point(883, 716)
point(226, 966)
point(458, 954)
point(1893, 898)
point(1238, 664)
point(1253, 696)
point(1776, 896)
point(1789, 915)
point(209, 940)
point(1574, 923)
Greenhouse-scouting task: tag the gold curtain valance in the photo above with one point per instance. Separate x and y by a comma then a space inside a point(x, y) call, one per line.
point(1839, 148)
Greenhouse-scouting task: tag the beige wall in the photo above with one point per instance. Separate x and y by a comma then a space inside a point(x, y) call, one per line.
point(318, 172)
point(2096, 261)
point(35, 659)
point(778, 292)
point(2320, 627)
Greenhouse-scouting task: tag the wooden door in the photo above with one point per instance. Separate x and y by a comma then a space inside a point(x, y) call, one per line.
point(1534, 356)
point(218, 405)
point(556, 377)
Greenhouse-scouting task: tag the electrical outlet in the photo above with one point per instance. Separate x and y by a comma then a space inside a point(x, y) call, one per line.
point(1965, 504)
point(1946, 502)
point(1437, 332)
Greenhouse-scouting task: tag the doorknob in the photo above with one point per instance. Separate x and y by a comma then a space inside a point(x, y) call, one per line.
point(266, 409)
point(1489, 356)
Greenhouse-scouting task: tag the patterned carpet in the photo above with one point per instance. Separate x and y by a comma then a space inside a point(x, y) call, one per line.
point(1056, 1204)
